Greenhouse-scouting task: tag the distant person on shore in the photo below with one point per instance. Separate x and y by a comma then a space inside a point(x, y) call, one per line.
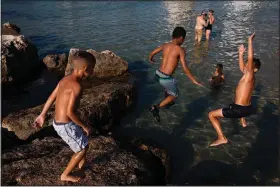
point(218, 77)
point(201, 22)
point(211, 20)
point(242, 105)
point(172, 53)
point(66, 122)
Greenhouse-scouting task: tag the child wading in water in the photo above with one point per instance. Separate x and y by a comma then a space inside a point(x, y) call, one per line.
point(242, 104)
point(66, 123)
point(218, 77)
point(172, 53)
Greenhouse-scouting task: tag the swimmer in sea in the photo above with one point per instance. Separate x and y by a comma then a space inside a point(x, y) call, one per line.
point(172, 53)
point(218, 77)
point(200, 24)
point(208, 28)
point(242, 105)
point(66, 123)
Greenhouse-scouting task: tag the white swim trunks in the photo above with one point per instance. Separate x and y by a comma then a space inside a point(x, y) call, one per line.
point(72, 134)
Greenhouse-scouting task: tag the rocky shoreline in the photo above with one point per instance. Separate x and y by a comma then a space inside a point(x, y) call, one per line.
point(31, 157)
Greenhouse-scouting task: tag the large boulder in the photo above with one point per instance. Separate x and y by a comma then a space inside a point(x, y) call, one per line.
point(42, 162)
point(19, 57)
point(56, 63)
point(101, 106)
point(107, 65)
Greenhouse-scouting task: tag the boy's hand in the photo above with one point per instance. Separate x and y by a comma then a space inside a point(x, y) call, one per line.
point(88, 130)
point(198, 83)
point(251, 37)
point(241, 49)
point(39, 121)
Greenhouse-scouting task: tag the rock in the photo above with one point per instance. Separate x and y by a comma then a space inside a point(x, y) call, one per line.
point(107, 65)
point(10, 29)
point(56, 63)
point(101, 106)
point(137, 145)
point(19, 56)
point(9, 139)
point(42, 162)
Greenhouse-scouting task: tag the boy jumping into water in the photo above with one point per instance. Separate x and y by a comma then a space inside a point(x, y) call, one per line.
point(66, 123)
point(172, 53)
point(218, 77)
point(242, 105)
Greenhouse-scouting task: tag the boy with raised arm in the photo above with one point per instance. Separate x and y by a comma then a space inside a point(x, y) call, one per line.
point(172, 53)
point(242, 105)
point(66, 123)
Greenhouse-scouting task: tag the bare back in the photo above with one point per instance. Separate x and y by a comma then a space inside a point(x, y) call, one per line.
point(245, 88)
point(170, 58)
point(66, 87)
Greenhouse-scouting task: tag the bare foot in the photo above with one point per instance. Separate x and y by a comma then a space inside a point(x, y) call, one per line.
point(243, 122)
point(70, 178)
point(219, 141)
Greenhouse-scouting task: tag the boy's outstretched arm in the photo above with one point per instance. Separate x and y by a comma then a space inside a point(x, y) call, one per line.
point(154, 52)
point(250, 66)
point(241, 51)
point(186, 69)
point(41, 118)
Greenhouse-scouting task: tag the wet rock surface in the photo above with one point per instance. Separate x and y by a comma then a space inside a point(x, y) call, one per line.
point(42, 162)
point(107, 65)
point(19, 57)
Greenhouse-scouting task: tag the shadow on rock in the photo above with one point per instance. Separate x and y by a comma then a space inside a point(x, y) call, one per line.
point(9, 139)
point(29, 95)
point(177, 162)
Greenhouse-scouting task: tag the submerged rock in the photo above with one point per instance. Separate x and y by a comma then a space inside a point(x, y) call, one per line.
point(42, 162)
point(100, 106)
point(107, 65)
point(56, 63)
point(19, 57)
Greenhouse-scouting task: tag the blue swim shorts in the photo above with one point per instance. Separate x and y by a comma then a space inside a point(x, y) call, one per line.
point(168, 82)
point(72, 134)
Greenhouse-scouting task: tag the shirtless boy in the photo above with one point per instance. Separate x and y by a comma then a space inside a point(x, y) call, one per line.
point(242, 105)
point(200, 24)
point(66, 123)
point(172, 53)
point(218, 77)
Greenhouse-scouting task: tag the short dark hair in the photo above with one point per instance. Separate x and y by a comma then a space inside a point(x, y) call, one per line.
point(219, 66)
point(212, 11)
point(178, 32)
point(84, 55)
point(257, 63)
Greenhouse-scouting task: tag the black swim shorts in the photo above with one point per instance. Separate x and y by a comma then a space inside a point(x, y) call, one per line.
point(237, 111)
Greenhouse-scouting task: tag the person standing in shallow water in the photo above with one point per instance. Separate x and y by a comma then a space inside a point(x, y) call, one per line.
point(243, 93)
point(211, 20)
point(172, 53)
point(66, 123)
point(200, 24)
